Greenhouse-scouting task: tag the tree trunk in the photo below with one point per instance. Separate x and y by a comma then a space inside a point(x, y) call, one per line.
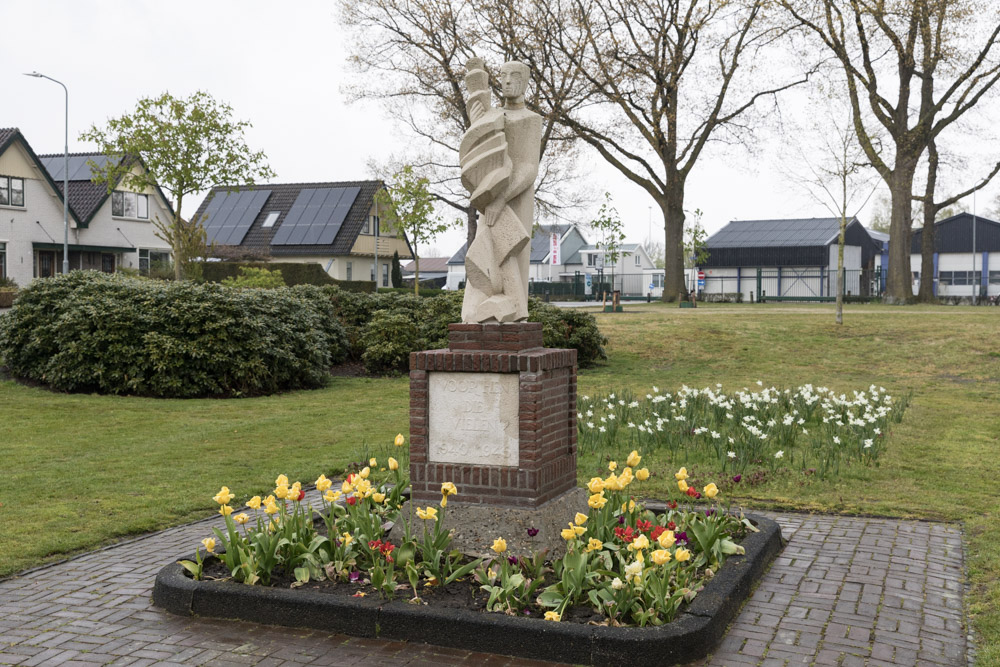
point(926, 294)
point(177, 240)
point(839, 318)
point(673, 242)
point(416, 273)
point(899, 280)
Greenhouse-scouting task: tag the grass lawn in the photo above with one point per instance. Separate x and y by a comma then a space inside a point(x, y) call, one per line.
point(82, 470)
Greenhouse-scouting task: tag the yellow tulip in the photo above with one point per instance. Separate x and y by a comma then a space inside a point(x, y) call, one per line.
point(682, 485)
point(281, 480)
point(594, 544)
point(293, 493)
point(346, 487)
point(660, 556)
point(625, 478)
point(365, 472)
point(633, 458)
point(254, 503)
point(595, 485)
point(223, 496)
point(363, 487)
point(639, 543)
point(429, 513)
point(241, 518)
point(568, 534)
point(444, 501)
point(322, 484)
point(612, 483)
point(580, 518)
point(597, 501)
point(613, 466)
point(271, 508)
point(209, 543)
point(642, 474)
point(682, 555)
point(666, 539)
point(269, 500)
point(553, 616)
point(331, 496)
point(499, 545)
point(225, 510)
point(281, 491)
point(378, 497)
point(399, 440)
point(373, 462)
point(448, 489)
point(711, 490)
point(347, 538)
point(393, 464)
point(681, 474)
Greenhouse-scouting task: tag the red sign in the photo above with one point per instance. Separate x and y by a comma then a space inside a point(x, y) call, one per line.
point(701, 275)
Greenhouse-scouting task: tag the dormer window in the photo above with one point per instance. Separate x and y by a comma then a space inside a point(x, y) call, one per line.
point(272, 218)
point(11, 191)
point(129, 205)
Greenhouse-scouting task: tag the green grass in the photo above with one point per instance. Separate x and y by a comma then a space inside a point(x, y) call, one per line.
point(78, 471)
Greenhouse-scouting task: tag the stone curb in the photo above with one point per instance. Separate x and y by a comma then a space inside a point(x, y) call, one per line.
point(691, 636)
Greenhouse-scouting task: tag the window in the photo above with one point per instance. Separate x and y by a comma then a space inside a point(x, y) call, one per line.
point(657, 280)
point(143, 261)
point(150, 259)
point(272, 218)
point(385, 275)
point(994, 277)
point(129, 205)
point(349, 272)
point(3, 260)
point(11, 191)
point(960, 278)
point(376, 225)
point(372, 272)
point(368, 227)
point(638, 261)
point(591, 260)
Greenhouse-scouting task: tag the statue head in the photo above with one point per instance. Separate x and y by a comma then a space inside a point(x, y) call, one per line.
point(514, 81)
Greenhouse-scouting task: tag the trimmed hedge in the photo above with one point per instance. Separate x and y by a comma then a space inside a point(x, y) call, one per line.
point(293, 273)
point(382, 329)
point(90, 331)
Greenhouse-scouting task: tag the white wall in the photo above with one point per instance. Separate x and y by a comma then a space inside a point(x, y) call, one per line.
point(852, 258)
point(456, 275)
point(961, 261)
point(40, 220)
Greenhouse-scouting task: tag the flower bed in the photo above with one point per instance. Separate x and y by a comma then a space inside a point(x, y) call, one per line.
point(657, 586)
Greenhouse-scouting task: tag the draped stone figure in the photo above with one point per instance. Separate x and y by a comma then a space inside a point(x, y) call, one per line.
point(499, 156)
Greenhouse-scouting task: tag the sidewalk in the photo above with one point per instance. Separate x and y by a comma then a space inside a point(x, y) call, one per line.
point(845, 591)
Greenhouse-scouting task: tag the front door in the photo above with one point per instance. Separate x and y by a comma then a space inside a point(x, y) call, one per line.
point(46, 263)
point(107, 262)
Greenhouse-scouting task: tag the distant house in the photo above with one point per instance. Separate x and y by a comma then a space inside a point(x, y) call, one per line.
point(955, 256)
point(570, 241)
point(791, 258)
point(106, 231)
point(433, 271)
point(335, 225)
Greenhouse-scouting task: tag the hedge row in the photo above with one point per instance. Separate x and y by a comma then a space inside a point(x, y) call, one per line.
point(293, 273)
point(90, 331)
point(382, 329)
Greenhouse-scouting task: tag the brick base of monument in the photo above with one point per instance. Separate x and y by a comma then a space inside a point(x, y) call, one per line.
point(545, 381)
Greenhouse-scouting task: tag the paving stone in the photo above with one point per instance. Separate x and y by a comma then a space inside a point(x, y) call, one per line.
point(845, 591)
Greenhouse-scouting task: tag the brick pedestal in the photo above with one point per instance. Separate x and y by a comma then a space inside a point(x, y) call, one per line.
point(546, 409)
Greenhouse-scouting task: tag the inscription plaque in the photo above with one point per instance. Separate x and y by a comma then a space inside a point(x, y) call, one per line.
point(473, 418)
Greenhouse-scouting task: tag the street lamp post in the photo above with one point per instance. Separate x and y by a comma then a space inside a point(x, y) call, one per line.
point(38, 75)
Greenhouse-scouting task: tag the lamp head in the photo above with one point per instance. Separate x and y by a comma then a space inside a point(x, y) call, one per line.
point(34, 74)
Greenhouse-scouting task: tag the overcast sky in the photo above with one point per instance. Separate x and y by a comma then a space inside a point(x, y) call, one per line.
point(281, 66)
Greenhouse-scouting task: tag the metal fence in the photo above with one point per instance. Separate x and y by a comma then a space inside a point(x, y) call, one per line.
point(574, 288)
point(791, 284)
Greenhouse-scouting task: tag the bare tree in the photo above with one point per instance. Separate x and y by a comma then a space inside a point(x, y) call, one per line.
point(894, 53)
point(660, 80)
point(411, 55)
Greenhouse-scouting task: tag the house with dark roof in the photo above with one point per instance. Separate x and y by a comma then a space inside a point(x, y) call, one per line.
point(335, 225)
point(565, 240)
point(965, 263)
point(106, 231)
point(433, 271)
point(790, 258)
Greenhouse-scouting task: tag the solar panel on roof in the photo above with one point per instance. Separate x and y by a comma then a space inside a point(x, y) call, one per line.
point(79, 170)
point(230, 214)
point(316, 216)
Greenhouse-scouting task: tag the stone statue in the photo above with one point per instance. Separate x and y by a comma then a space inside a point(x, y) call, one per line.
point(499, 156)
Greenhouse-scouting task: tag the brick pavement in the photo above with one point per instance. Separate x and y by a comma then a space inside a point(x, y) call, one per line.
point(845, 591)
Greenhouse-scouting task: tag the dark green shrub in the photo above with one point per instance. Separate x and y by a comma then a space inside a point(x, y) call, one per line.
point(293, 273)
point(89, 331)
point(389, 338)
point(251, 276)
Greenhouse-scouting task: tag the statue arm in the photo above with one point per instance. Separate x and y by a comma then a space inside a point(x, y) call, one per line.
point(524, 171)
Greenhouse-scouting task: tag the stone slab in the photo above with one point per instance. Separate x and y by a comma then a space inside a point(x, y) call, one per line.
point(473, 418)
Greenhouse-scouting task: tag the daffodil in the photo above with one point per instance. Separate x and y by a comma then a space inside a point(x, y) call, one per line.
point(711, 490)
point(595, 485)
point(223, 496)
point(393, 464)
point(553, 616)
point(597, 501)
point(660, 556)
point(642, 474)
point(399, 440)
point(429, 513)
point(580, 518)
point(254, 503)
point(681, 474)
point(682, 555)
point(633, 459)
point(499, 545)
point(209, 543)
point(322, 484)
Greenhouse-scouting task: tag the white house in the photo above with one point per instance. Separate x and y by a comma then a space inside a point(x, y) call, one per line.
point(106, 231)
point(961, 268)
